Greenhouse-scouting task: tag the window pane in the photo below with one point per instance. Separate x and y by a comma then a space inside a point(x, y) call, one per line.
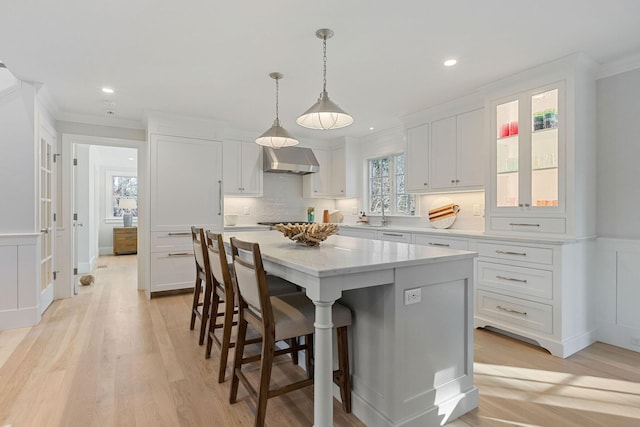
point(124, 187)
point(400, 164)
point(386, 186)
point(400, 184)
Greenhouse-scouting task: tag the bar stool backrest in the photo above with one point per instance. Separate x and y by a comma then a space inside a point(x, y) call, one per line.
point(218, 263)
point(197, 237)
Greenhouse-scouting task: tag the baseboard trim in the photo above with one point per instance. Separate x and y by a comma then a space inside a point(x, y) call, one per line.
point(20, 318)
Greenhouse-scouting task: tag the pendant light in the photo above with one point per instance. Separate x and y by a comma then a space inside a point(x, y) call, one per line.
point(324, 114)
point(276, 136)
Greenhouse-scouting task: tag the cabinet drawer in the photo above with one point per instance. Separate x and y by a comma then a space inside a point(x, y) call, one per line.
point(535, 225)
point(394, 236)
point(425, 240)
point(516, 253)
point(525, 281)
point(163, 241)
point(354, 232)
point(172, 270)
point(525, 314)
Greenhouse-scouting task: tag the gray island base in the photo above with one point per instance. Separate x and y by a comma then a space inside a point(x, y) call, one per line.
point(412, 365)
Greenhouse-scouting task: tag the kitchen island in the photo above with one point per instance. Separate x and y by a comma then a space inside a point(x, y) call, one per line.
point(412, 364)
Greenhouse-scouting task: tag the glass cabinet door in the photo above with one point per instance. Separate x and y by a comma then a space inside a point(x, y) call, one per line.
point(544, 149)
point(507, 155)
point(526, 133)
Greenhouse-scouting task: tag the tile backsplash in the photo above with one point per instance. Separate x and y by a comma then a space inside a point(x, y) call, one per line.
point(283, 200)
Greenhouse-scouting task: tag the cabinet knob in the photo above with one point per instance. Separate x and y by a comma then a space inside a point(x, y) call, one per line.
point(526, 205)
point(520, 204)
point(453, 180)
point(425, 183)
point(457, 181)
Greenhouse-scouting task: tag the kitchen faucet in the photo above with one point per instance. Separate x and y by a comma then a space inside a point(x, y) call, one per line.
point(385, 219)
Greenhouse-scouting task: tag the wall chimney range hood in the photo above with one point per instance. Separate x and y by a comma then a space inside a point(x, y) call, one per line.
point(296, 160)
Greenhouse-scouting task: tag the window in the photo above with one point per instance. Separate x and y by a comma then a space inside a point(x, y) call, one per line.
point(120, 185)
point(386, 187)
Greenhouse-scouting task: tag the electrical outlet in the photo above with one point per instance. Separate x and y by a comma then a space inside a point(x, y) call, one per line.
point(476, 209)
point(245, 210)
point(412, 296)
point(635, 340)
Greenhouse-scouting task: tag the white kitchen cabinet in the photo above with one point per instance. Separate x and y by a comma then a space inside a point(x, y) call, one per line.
point(394, 236)
point(542, 152)
point(185, 190)
point(318, 184)
point(457, 149)
point(338, 176)
point(358, 232)
point(242, 167)
point(417, 159)
point(440, 241)
point(537, 291)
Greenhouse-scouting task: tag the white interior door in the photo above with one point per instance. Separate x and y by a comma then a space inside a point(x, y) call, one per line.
point(46, 198)
point(74, 221)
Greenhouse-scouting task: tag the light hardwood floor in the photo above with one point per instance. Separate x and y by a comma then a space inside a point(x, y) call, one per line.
point(110, 357)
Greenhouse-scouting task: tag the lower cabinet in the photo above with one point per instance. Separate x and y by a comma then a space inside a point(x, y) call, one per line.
point(357, 232)
point(172, 261)
point(537, 291)
point(443, 242)
point(394, 236)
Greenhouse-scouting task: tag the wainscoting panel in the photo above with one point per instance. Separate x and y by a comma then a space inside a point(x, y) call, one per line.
point(618, 292)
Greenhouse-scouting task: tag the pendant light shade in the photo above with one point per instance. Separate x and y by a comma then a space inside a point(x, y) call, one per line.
point(276, 136)
point(324, 114)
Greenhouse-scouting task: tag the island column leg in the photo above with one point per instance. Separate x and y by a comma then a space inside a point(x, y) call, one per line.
point(323, 375)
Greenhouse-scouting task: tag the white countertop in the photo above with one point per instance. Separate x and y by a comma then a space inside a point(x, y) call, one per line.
point(343, 255)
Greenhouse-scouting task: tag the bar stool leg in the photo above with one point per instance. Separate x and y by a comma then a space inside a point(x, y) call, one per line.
point(196, 301)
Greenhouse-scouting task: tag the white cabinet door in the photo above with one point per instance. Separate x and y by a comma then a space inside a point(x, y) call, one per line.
point(318, 184)
point(186, 183)
point(457, 152)
point(251, 170)
point(242, 169)
point(471, 151)
point(338, 173)
point(443, 153)
point(417, 159)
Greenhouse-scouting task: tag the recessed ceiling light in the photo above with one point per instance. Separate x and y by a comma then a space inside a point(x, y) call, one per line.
point(371, 128)
point(131, 158)
point(450, 62)
point(107, 90)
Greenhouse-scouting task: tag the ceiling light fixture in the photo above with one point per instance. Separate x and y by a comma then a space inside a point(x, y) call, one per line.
point(107, 90)
point(276, 136)
point(450, 62)
point(324, 114)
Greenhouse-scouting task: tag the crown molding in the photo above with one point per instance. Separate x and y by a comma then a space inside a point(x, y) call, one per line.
point(628, 63)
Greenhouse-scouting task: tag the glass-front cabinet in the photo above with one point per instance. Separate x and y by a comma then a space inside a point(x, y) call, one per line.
point(527, 140)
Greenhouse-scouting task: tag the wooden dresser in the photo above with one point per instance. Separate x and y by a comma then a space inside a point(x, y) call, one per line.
point(125, 240)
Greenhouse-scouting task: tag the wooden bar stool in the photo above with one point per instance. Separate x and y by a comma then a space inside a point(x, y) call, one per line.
point(278, 318)
point(223, 284)
point(201, 303)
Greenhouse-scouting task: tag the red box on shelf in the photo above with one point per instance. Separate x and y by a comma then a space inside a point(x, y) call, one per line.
point(513, 128)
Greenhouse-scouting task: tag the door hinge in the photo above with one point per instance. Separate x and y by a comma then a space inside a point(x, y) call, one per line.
point(75, 271)
point(75, 216)
point(75, 162)
point(55, 157)
point(55, 274)
point(55, 216)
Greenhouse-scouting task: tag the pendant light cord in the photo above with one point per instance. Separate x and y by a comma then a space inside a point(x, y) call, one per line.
point(277, 100)
point(324, 59)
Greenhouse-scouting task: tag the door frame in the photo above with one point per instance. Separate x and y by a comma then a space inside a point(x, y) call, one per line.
point(68, 139)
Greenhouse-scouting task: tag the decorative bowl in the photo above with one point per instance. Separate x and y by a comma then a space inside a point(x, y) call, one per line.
point(309, 234)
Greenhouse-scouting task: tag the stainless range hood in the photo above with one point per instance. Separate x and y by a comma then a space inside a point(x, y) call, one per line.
point(296, 160)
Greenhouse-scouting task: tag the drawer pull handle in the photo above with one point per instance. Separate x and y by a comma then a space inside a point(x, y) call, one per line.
point(179, 234)
point(510, 310)
point(511, 253)
point(180, 254)
point(523, 224)
point(439, 244)
point(512, 279)
point(392, 234)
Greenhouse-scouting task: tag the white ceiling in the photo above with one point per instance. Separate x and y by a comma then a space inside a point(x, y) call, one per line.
point(212, 58)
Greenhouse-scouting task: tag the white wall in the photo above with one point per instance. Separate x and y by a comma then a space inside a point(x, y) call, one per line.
point(618, 158)
point(17, 161)
point(617, 279)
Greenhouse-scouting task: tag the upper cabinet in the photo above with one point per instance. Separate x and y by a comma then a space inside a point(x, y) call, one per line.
point(186, 183)
point(417, 159)
point(242, 167)
point(338, 174)
point(452, 159)
point(542, 148)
